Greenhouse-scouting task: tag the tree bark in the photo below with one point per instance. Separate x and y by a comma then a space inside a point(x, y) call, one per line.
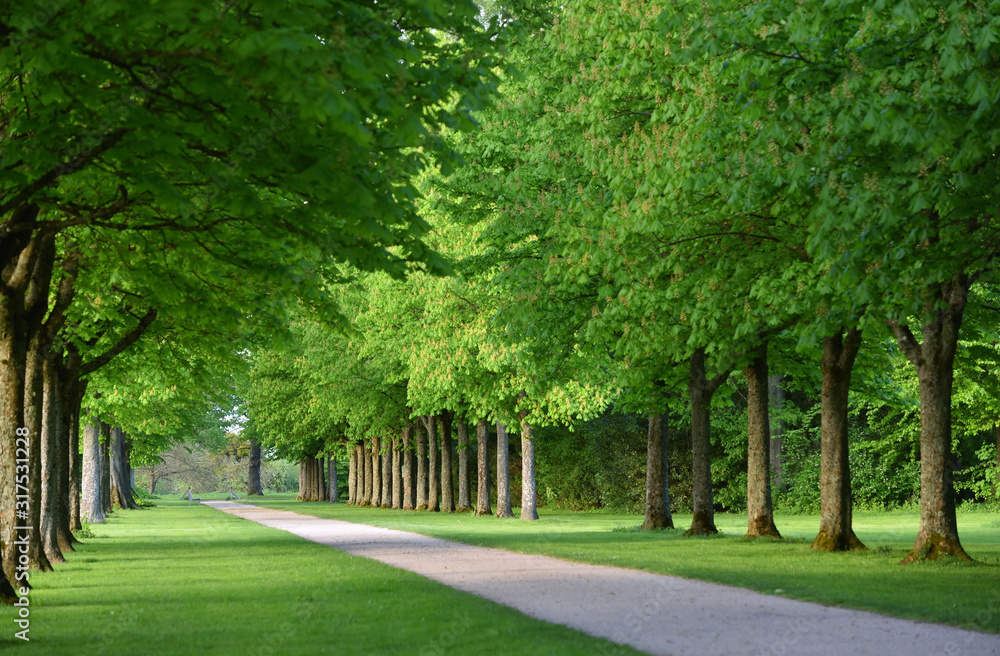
point(253, 471)
point(503, 473)
point(332, 493)
point(366, 500)
point(760, 515)
point(776, 398)
point(433, 487)
point(106, 467)
point(352, 474)
point(376, 458)
point(408, 478)
point(657, 476)
point(483, 470)
point(52, 460)
point(121, 493)
point(421, 466)
point(835, 530)
point(33, 420)
point(934, 360)
point(397, 475)
point(65, 460)
point(91, 508)
point(529, 491)
point(464, 480)
point(386, 496)
point(700, 393)
point(447, 468)
point(75, 389)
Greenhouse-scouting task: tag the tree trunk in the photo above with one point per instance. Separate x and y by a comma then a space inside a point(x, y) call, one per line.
point(352, 474)
point(332, 493)
point(12, 361)
point(447, 470)
point(700, 392)
point(934, 361)
point(503, 473)
point(386, 496)
point(483, 470)
point(433, 484)
point(253, 473)
point(91, 507)
point(119, 484)
point(464, 481)
point(759, 512)
point(397, 475)
point(64, 426)
point(421, 466)
point(106, 468)
point(376, 458)
point(776, 398)
point(74, 393)
point(33, 420)
point(529, 491)
point(408, 478)
point(835, 530)
point(657, 476)
point(52, 459)
point(366, 500)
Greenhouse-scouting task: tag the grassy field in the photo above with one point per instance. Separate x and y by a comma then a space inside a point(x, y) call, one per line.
point(963, 594)
point(192, 580)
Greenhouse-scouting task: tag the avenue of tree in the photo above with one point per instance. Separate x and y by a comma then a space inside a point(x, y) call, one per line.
point(404, 233)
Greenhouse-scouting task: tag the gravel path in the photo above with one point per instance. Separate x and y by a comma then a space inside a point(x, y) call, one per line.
point(656, 613)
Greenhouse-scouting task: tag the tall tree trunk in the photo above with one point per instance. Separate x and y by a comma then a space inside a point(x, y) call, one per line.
point(74, 393)
point(433, 488)
point(33, 420)
point(503, 473)
point(934, 360)
point(321, 481)
point(332, 493)
point(447, 470)
point(657, 476)
point(119, 483)
point(464, 481)
point(835, 530)
point(421, 465)
point(386, 496)
point(376, 458)
point(64, 426)
point(760, 515)
point(12, 362)
point(253, 471)
point(352, 475)
point(52, 460)
point(106, 468)
point(408, 473)
point(397, 475)
point(529, 491)
point(776, 398)
point(996, 485)
point(483, 469)
point(700, 393)
point(366, 500)
point(91, 507)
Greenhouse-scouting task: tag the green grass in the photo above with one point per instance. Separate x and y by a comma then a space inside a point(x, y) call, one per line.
point(963, 594)
point(192, 580)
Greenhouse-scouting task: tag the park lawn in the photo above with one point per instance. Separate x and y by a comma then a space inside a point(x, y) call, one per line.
point(962, 594)
point(179, 579)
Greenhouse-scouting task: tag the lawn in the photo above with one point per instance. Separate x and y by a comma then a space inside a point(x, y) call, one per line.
point(185, 580)
point(963, 594)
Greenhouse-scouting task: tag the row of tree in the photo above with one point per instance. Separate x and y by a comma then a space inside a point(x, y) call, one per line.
point(670, 193)
point(173, 181)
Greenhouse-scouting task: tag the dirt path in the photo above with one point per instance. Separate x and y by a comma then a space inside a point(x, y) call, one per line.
point(655, 613)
